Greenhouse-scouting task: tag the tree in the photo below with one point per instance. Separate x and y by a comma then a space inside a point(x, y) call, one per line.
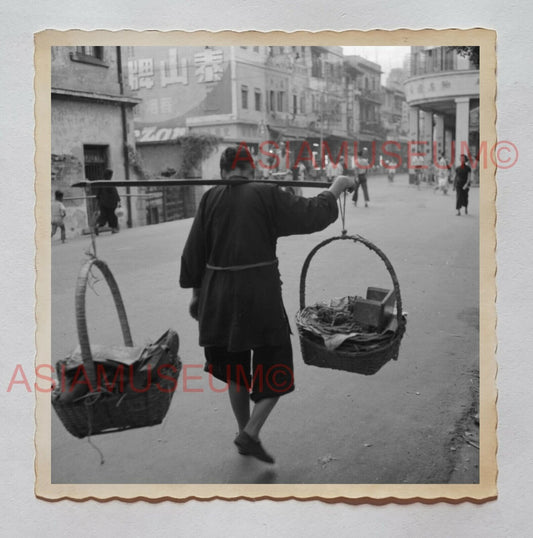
point(472, 53)
point(195, 148)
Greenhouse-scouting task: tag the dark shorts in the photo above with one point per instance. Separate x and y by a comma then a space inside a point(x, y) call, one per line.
point(272, 374)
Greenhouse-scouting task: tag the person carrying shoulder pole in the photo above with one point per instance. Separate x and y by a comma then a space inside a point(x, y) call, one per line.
point(229, 260)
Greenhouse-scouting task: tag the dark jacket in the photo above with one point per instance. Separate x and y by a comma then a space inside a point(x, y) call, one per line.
point(239, 225)
point(107, 197)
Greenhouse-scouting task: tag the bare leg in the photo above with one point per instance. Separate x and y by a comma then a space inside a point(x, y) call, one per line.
point(240, 403)
point(260, 413)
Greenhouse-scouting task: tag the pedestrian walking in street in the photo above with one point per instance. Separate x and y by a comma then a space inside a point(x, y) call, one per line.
point(108, 200)
point(58, 215)
point(229, 260)
point(391, 166)
point(362, 167)
point(302, 171)
point(461, 185)
point(442, 175)
point(418, 165)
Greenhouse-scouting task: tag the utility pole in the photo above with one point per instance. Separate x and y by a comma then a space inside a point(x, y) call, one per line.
point(322, 119)
point(125, 148)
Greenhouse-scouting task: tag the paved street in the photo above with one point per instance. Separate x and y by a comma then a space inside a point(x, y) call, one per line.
point(398, 426)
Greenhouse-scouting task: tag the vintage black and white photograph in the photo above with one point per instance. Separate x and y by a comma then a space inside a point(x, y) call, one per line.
point(265, 266)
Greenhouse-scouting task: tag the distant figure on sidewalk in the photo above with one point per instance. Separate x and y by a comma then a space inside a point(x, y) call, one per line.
point(461, 185)
point(442, 175)
point(58, 215)
point(229, 260)
point(108, 200)
point(362, 168)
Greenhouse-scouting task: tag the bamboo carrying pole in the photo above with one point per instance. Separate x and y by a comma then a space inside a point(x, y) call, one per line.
point(198, 182)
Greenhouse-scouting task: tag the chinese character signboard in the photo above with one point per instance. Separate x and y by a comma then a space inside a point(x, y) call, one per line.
point(209, 65)
point(177, 84)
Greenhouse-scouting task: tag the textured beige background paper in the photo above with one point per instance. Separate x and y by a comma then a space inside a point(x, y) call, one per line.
point(349, 493)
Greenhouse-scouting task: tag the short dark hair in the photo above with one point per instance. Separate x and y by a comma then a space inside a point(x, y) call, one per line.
point(58, 195)
point(236, 157)
point(108, 173)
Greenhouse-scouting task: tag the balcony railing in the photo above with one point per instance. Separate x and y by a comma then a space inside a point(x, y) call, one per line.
point(371, 126)
point(372, 95)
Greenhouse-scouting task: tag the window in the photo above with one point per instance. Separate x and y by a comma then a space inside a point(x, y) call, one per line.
point(302, 104)
point(95, 162)
point(295, 104)
point(449, 59)
point(414, 64)
point(95, 158)
point(258, 99)
point(89, 55)
point(272, 102)
point(96, 52)
point(281, 99)
point(316, 65)
point(244, 96)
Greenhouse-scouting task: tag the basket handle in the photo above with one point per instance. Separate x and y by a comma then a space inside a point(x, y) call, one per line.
point(372, 247)
point(81, 320)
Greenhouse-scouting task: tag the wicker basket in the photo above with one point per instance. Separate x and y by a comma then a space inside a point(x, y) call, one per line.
point(367, 362)
point(101, 411)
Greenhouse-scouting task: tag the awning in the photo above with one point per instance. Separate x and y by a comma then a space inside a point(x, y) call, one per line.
point(367, 138)
point(289, 133)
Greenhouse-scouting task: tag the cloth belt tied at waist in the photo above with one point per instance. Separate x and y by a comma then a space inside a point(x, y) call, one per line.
point(242, 267)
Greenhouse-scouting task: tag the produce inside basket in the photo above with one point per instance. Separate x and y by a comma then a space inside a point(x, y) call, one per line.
point(352, 333)
point(342, 324)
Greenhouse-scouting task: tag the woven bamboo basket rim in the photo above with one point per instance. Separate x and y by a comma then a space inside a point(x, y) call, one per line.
point(81, 318)
point(358, 239)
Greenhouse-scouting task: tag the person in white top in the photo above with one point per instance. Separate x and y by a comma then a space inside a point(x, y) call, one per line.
point(418, 164)
point(442, 175)
point(58, 215)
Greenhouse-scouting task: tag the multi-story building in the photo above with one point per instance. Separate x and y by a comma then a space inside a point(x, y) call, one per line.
point(327, 122)
point(394, 117)
point(286, 95)
point(368, 100)
point(92, 128)
point(443, 95)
